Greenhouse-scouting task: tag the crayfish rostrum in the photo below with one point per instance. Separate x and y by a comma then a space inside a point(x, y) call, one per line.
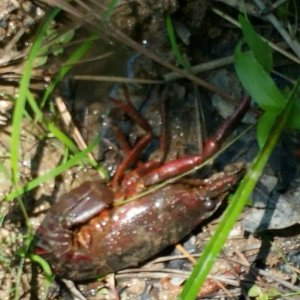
point(84, 235)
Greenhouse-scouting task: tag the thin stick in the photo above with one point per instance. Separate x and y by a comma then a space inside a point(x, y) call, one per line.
point(116, 79)
point(182, 250)
point(73, 289)
point(94, 58)
point(204, 67)
point(67, 119)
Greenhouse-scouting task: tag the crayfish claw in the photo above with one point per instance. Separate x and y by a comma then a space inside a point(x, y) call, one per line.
point(85, 202)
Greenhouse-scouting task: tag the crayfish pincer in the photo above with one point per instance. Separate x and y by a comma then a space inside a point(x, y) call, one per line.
point(84, 235)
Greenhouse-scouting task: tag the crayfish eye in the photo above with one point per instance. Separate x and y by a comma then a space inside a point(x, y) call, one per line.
point(209, 204)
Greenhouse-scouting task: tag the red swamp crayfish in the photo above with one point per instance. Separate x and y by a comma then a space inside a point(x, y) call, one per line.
point(84, 235)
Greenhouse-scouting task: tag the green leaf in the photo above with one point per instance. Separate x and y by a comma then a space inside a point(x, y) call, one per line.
point(254, 291)
point(57, 46)
point(264, 125)
point(66, 37)
point(261, 50)
point(40, 61)
point(56, 43)
point(272, 292)
point(294, 120)
point(256, 81)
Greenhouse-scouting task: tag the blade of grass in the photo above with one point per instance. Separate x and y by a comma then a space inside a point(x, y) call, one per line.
point(53, 173)
point(108, 12)
point(65, 69)
point(18, 113)
point(237, 203)
point(62, 137)
point(31, 100)
point(171, 34)
point(47, 272)
point(25, 248)
point(45, 267)
point(23, 88)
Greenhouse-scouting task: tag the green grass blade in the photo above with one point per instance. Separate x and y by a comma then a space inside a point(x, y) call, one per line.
point(44, 265)
point(108, 12)
point(23, 253)
point(74, 149)
point(23, 88)
point(237, 203)
point(62, 137)
point(65, 69)
point(76, 159)
point(171, 34)
point(49, 276)
point(264, 126)
point(34, 106)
